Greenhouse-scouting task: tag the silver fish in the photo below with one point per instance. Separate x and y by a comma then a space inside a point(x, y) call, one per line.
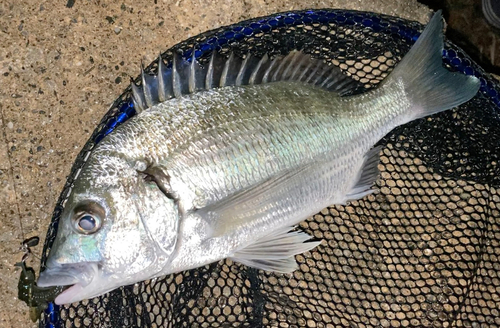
point(224, 160)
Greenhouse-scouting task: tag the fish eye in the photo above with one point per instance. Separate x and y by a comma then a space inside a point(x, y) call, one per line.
point(87, 218)
point(87, 223)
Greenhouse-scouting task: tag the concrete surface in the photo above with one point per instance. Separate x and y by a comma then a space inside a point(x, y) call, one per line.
point(61, 68)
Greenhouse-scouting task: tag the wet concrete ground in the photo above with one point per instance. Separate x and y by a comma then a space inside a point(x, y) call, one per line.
point(61, 68)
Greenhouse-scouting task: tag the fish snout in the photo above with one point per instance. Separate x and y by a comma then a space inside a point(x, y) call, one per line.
point(67, 274)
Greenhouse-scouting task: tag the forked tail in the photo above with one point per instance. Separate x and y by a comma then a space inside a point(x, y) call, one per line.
point(430, 87)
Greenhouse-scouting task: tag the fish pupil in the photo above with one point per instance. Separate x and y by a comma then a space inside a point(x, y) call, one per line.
point(87, 223)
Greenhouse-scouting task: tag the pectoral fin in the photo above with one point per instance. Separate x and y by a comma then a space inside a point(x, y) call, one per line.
point(254, 205)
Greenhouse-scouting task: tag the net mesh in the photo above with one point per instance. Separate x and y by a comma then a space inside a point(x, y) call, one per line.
point(421, 252)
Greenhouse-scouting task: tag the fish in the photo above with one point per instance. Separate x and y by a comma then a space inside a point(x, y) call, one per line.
point(224, 159)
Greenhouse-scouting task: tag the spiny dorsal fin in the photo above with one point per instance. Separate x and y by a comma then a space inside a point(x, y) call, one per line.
point(256, 70)
point(149, 88)
point(192, 74)
point(176, 79)
point(188, 76)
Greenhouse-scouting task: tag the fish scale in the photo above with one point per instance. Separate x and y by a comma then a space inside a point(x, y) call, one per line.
point(313, 135)
point(292, 124)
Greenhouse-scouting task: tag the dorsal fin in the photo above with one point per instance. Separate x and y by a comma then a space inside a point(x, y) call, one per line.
point(176, 79)
point(256, 70)
point(188, 76)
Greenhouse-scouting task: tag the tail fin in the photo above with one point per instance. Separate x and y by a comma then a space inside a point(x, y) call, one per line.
point(431, 87)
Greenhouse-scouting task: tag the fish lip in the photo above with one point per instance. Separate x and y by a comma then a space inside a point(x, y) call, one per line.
point(68, 274)
point(67, 296)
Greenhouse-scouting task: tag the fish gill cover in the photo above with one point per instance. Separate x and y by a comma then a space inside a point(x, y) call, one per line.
point(421, 252)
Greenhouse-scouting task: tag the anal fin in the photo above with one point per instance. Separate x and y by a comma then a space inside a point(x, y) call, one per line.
point(275, 252)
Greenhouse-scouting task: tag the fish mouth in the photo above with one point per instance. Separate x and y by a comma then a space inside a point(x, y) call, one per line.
point(79, 275)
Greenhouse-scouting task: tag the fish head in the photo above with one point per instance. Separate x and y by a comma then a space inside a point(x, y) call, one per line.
point(117, 228)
